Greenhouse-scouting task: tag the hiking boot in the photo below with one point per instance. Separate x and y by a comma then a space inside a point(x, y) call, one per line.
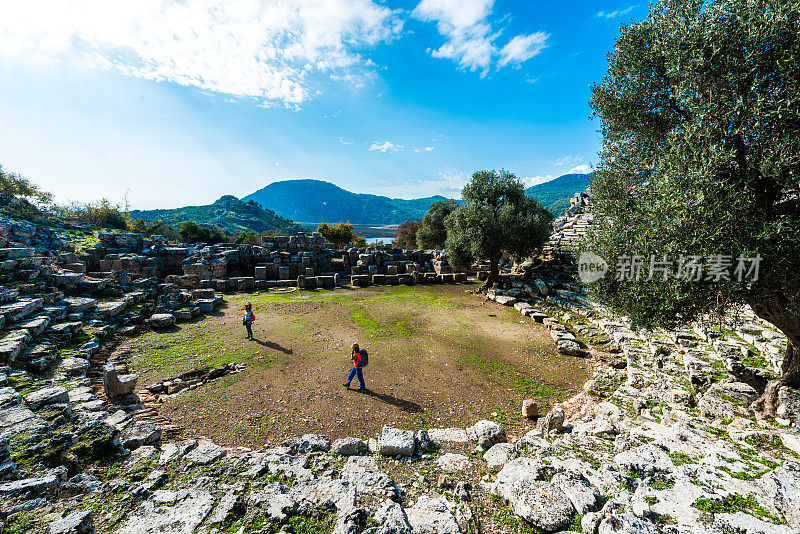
point(346, 384)
point(360, 388)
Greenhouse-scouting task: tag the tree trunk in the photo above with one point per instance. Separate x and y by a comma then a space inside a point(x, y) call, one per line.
point(494, 272)
point(778, 311)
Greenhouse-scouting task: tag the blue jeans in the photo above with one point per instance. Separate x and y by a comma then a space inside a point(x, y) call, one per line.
point(356, 371)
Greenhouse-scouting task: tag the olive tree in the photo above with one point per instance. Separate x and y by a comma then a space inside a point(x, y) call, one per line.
point(433, 234)
point(700, 116)
point(495, 218)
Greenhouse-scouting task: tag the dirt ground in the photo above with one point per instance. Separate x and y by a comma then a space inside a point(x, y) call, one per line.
point(439, 357)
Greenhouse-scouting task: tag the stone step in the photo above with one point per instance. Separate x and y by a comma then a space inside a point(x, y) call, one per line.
point(16, 311)
point(37, 325)
point(79, 304)
point(12, 344)
point(15, 253)
point(104, 310)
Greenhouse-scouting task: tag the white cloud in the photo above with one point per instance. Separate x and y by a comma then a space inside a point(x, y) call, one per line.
point(386, 146)
point(580, 169)
point(342, 140)
point(470, 39)
point(424, 149)
point(569, 160)
point(617, 13)
point(267, 51)
point(536, 180)
point(521, 48)
point(449, 183)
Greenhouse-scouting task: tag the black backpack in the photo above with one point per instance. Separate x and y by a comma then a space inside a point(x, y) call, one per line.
point(364, 358)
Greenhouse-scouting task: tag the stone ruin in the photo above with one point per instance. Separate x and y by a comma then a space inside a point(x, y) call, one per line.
point(661, 439)
point(300, 261)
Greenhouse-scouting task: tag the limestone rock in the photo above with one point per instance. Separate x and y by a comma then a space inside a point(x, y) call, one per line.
point(500, 454)
point(425, 443)
point(781, 490)
point(205, 453)
point(161, 321)
point(569, 347)
point(116, 385)
point(31, 487)
point(626, 524)
point(583, 496)
point(486, 433)
point(448, 435)
point(363, 473)
point(645, 460)
point(747, 524)
point(46, 396)
point(788, 404)
point(530, 409)
point(451, 462)
point(139, 434)
point(394, 441)
point(554, 420)
point(74, 523)
point(175, 511)
point(432, 516)
point(350, 447)
point(543, 504)
point(392, 519)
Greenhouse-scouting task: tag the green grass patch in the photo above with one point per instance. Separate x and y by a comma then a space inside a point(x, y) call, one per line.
point(733, 504)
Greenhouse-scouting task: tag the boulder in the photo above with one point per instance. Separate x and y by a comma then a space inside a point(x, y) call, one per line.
point(139, 434)
point(432, 515)
point(116, 385)
point(350, 447)
point(392, 519)
point(530, 409)
point(569, 347)
point(75, 523)
point(486, 433)
point(500, 454)
point(161, 321)
point(313, 443)
point(205, 453)
point(554, 420)
point(394, 442)
point(425, 443)
point(522, 482)
point(583, 496)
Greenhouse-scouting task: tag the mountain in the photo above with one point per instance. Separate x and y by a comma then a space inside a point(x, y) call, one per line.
point(555, 194)
point(314, 201)
point(228, 213)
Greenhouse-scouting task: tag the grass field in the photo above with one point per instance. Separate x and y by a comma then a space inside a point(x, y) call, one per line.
point(439, 357)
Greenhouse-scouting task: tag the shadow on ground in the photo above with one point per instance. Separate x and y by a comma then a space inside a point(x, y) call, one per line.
point(402, 404)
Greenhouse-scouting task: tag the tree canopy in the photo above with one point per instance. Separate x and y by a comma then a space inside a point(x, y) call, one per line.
point(432, 233)
point(339, 234)
point(406, 235)
point(191, 232)
point(700, 115)
point(495, 218)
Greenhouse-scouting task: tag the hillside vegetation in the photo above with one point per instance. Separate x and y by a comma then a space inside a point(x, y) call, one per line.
point(555, 194)
point(314, 201)
point(228, 213)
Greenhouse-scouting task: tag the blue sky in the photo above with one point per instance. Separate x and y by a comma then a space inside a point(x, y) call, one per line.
point(178, 103)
